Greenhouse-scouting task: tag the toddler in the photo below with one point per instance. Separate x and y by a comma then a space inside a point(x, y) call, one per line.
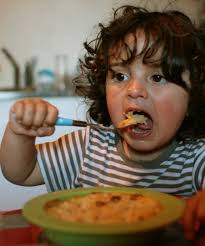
point(149, 64)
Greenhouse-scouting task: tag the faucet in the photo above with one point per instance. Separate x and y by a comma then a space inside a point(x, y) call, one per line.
point(15, 68)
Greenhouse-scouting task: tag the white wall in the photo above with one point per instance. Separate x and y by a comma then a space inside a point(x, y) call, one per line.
point(46, 28)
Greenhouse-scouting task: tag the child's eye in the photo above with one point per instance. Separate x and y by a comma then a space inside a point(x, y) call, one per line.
point(157, 78)
point(120, 76)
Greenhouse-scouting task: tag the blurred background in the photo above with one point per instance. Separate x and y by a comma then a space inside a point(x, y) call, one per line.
point(41, 40)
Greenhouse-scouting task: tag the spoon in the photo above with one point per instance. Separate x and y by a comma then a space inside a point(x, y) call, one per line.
point(70, 122)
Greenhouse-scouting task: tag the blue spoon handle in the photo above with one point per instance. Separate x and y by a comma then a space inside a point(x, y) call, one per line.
point(69, 122)
point(64, 122)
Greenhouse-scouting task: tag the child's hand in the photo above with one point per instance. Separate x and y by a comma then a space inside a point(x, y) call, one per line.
point(33, 117)
point(194, 215)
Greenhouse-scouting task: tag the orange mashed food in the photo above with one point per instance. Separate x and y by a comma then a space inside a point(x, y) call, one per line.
point(105, 208)
point(132, 119)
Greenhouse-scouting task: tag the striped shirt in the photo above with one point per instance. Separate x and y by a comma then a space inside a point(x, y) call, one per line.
point(90, 157)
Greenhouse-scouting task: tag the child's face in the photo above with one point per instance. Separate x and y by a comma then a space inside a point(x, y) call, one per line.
point(142, 88)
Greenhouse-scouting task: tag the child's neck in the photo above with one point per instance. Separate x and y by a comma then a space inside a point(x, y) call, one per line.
point(133, 155)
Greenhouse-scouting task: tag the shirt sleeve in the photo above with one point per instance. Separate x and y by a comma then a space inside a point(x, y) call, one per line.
point(60, 160)
point(199, 169)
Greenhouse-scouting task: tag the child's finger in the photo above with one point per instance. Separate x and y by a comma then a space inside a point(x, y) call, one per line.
point(20, 129)
point(189, 218)
point(17, 109)
point(29, 113)
point(51, 115)
point(45, 131)
point(201, 205)
point(40, 114)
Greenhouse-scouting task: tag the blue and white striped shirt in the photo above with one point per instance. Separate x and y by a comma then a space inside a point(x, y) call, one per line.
point(90, 157)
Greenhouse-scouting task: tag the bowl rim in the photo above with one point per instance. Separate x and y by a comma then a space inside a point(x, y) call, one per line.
point(34, 212)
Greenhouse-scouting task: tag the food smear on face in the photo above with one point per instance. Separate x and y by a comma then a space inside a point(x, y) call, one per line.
point(105, 208)
point(132, 119)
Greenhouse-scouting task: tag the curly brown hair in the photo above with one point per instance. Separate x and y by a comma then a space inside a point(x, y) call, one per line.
point(183, 45)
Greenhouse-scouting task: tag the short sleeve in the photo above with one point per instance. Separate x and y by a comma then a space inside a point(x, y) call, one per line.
point(60, 160)
point(199, 168)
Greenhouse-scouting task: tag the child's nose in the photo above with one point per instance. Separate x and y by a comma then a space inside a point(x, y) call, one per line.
point(136, 89)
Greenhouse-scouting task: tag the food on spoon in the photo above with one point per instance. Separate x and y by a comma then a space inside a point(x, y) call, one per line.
point(105, 208)
point(132, 119)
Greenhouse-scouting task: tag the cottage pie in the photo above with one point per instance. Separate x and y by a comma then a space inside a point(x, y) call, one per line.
point(105, 208)
point(132, 119)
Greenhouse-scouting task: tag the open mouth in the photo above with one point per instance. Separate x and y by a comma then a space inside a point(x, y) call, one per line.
point(136, 119)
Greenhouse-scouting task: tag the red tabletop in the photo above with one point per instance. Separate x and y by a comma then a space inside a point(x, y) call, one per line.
point(15, 230)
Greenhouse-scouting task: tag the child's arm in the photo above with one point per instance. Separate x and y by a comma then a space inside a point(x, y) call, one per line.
point(28, 119)
point(194, 216)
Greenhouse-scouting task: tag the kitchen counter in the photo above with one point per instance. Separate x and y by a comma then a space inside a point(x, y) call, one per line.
point(14, 95)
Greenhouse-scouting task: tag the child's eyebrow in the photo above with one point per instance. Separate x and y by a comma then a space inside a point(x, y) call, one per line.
point(117, 64)
point(114, 67)
point(154, 64)
point(124, 64)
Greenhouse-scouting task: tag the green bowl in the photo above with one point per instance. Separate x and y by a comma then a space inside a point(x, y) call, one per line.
point(80, 234)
